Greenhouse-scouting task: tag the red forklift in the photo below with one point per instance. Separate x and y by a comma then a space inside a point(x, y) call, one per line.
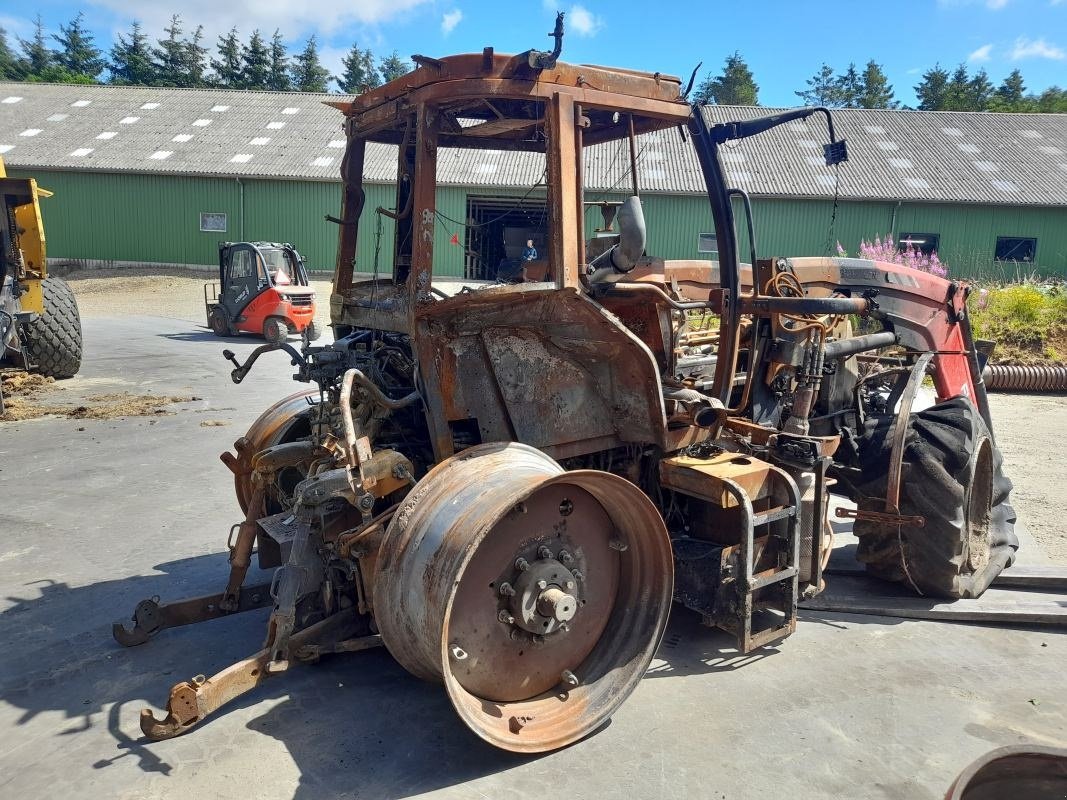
point(263, 288)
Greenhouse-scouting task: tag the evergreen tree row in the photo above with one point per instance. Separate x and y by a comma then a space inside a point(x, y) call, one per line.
point(959, 91)
point(182, 59)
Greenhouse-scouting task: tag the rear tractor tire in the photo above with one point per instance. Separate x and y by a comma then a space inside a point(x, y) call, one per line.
point(275, 330)
point(952, 477)
point(537, 596)
point(54, 339)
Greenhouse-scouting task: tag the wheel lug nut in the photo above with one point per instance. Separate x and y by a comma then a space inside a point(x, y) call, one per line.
point(505, 617)
point(506, 590)
point(565, 557)
point(544, 552)
point(578, 576)
point(570, 586)
point(564, 627)
point(542, 584)
point(569, 677)
point(521, 564)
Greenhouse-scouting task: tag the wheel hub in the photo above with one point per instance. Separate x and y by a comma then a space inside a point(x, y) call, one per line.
point(546, 595)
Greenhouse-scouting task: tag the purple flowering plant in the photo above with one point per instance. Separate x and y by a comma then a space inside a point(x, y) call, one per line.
point(886, 250)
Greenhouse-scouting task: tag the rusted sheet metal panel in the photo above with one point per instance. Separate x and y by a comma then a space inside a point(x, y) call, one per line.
point(550, 365)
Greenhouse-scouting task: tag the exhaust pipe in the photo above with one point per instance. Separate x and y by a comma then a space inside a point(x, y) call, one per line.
point(613, 264)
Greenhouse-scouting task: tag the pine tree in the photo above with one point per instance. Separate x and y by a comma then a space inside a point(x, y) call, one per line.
point(169, 56)
point(195, 58)
point(78, 55)
point(227, 67)
point(822, 89)
point(957, 91)
point(360, 74)
point(131, 59)
point(255, 63)
point(1051, 101)
point(1011, 94)
point(876, 93)
point(979, 92)
point(9, 69)
point(278, 78)
point(932, 89)
point(849, 87)
point(36, 57)
point(734, 87)
point(308, 73)
point(393, 66)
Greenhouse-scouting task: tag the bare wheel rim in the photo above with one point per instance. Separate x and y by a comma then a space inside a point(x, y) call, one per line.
point(472, 522)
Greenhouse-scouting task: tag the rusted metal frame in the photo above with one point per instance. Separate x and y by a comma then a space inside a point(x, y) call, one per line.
point(352, 199)
point(150, 617)
point(424, 221)
point(630, 83)
point(190, 702)
point(581, 124)
point(563, 208)
point(879, 517)
point(818, 529)
point(375, 120)
point(403, 231)
point(747, 581)
point(900, 432)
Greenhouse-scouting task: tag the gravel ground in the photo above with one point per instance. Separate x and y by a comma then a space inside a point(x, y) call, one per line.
point(1031, 429)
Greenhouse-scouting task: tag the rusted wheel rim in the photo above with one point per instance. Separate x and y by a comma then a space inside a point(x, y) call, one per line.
point(458, 594)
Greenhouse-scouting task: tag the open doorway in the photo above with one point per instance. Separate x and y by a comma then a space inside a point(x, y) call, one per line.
point(498, 229)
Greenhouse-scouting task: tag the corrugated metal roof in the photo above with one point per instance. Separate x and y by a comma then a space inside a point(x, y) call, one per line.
point(1016, 159)
point(944, 156)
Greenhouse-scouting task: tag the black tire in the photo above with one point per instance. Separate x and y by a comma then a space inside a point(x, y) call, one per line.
point(275, 330)
point(218, 323)
point(54, 339)
point(313, 332)
point(952, 477)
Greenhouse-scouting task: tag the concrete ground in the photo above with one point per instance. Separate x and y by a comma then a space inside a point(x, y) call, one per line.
point(100, 514)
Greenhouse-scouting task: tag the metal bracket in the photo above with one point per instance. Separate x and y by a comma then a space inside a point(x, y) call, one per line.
point(881, 517)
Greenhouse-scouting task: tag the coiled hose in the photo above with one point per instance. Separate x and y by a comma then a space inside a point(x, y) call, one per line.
point(1034, 378)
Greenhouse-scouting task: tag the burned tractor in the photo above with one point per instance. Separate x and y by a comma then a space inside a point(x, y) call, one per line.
point(508, 485)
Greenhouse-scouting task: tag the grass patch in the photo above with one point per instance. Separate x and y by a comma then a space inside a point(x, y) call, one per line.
point(1027, 321)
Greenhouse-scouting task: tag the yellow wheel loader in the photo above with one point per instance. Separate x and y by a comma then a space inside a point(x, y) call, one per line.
point(40, 329)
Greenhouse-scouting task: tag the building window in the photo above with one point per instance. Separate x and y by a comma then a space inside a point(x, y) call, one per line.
point(707, 243)
point(925, 243)
point(212, 222)
point(1016, 248)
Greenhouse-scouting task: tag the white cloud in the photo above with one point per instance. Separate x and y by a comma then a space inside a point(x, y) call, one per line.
point(296, 21)
point(450, 20)
point(583, 22)
point(996, 5)
point(981, 54)
point(1036, 48)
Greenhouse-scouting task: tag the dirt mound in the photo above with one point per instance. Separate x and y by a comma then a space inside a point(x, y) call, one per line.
point(29, 396)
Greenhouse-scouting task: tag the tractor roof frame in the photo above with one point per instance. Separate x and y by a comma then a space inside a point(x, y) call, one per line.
point(487, 101)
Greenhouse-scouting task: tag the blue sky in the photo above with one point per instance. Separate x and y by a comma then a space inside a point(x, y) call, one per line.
point(783, 42)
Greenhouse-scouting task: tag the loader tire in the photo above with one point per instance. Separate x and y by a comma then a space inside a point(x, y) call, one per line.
point(275, 330)
point(952, 476)
point(54, 339)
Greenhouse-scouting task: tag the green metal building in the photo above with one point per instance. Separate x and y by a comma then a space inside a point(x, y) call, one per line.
point(146, 175)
